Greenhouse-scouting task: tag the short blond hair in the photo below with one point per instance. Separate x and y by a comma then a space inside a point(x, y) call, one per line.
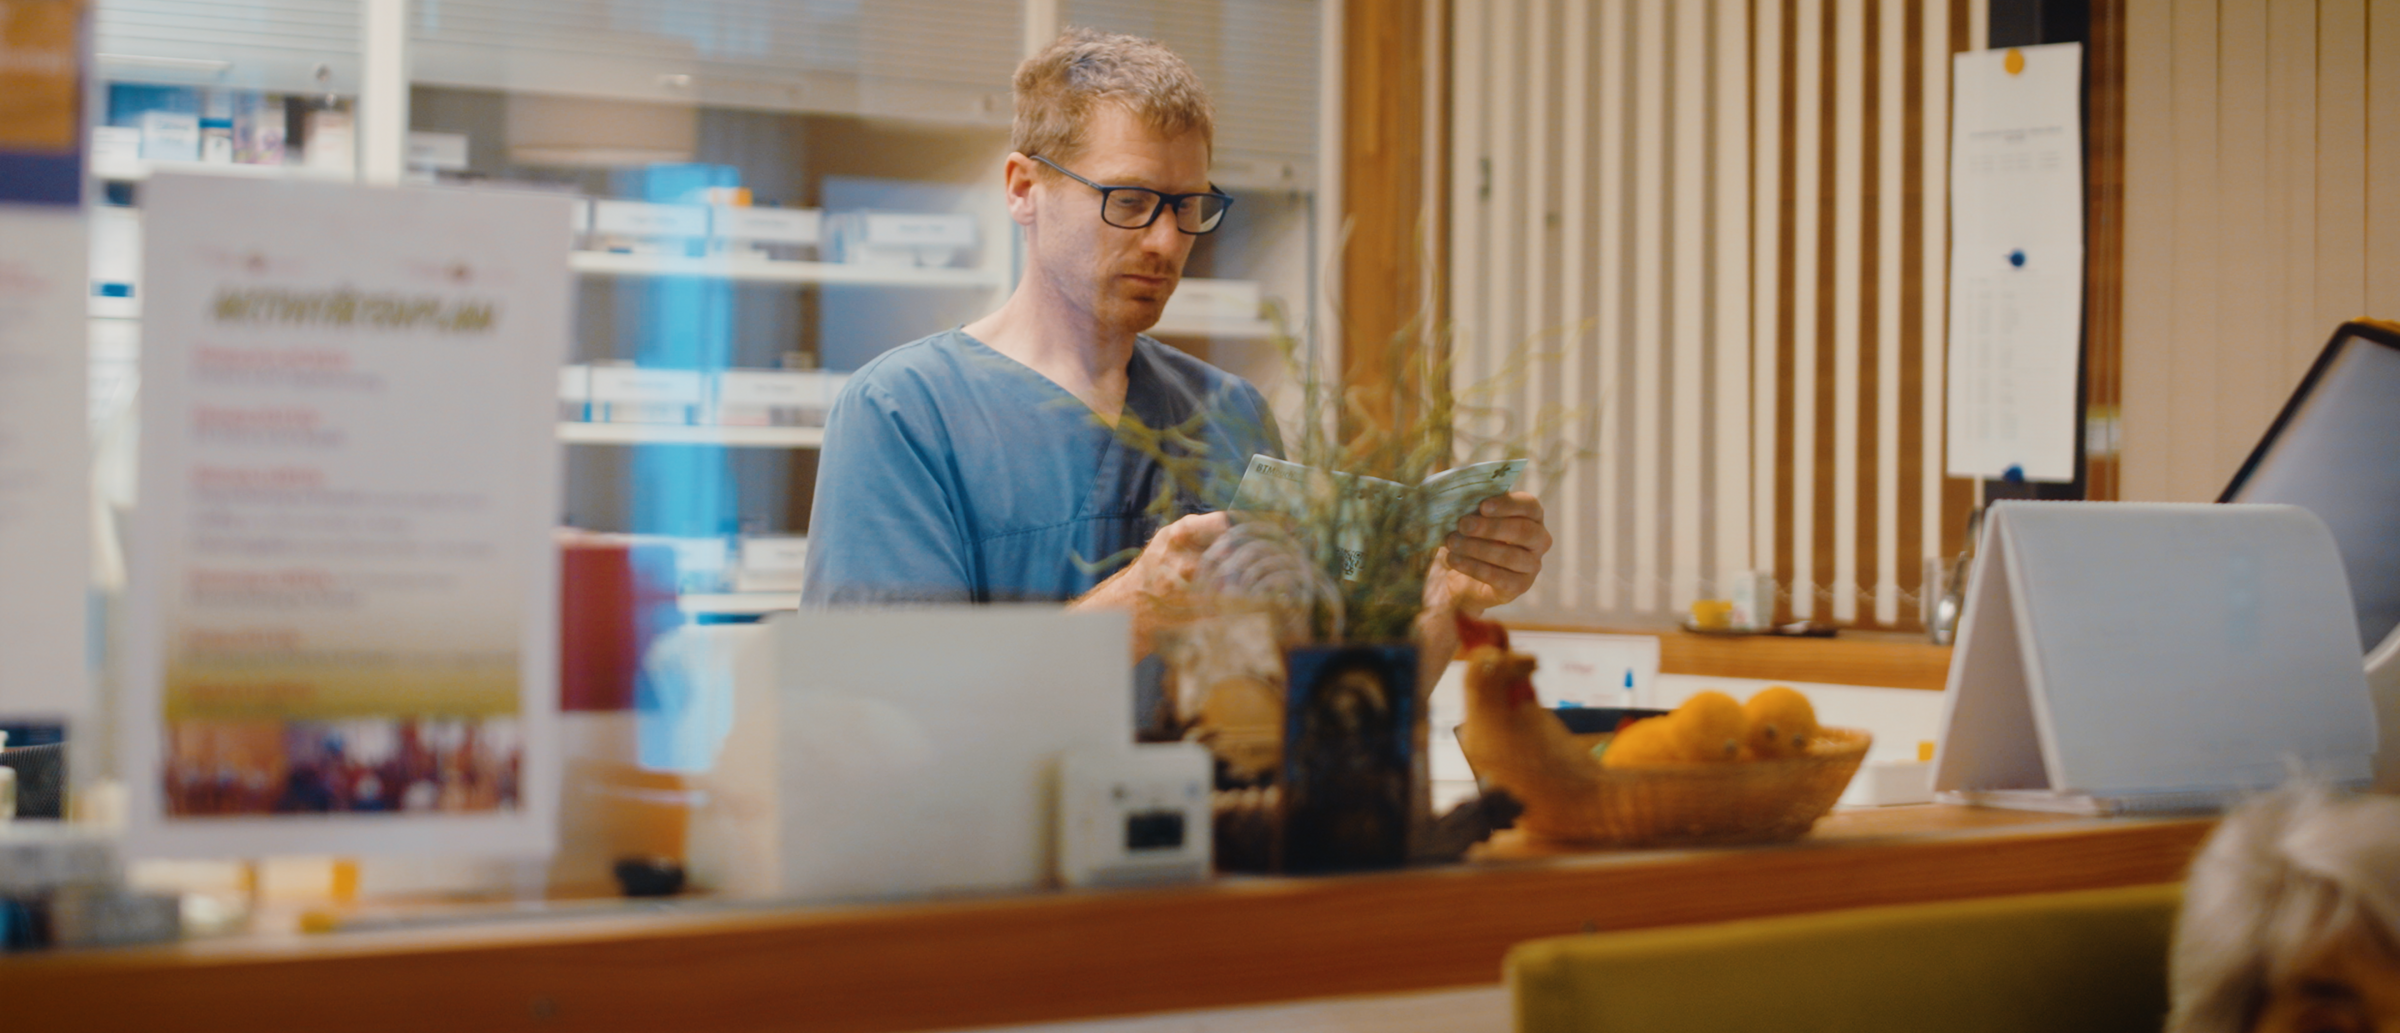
point(1057, 90)
point(2281, 879)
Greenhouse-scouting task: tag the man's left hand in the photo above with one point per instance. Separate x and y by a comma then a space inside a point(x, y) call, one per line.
point(1492, 558)
point(1495, 553)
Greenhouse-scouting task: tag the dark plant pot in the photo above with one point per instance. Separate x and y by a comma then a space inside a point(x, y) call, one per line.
point(1348, 795)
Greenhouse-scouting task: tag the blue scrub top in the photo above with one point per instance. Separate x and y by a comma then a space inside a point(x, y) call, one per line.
point(953, 473)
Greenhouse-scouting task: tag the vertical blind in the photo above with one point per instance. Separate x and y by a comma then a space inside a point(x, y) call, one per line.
point(1712, 233)
point(1259, 59)
point(2264, 136)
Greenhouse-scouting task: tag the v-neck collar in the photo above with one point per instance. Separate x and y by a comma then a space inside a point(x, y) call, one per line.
point(1135, 366)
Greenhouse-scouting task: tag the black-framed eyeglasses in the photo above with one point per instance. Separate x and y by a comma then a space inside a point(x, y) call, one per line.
point(1135, 208)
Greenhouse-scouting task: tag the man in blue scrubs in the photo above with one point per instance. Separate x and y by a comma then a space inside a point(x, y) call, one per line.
point(985, 463)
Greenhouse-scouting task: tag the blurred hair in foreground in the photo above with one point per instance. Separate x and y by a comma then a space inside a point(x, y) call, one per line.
point(2291, 918)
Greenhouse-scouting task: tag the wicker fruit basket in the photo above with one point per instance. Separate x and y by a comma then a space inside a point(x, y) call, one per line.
point(1760, 801)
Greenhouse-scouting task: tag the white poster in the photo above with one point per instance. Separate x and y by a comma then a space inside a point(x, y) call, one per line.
point(344, 605)
point(2016, 261)
point(45, 495)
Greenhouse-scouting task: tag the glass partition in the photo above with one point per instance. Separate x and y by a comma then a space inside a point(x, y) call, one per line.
point(767, 196)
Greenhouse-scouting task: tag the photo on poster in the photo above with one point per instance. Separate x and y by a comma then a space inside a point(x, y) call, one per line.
point(413, 765)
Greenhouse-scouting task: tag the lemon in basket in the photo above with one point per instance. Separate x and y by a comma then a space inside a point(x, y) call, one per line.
point(1706, 729)
point(1781, 722)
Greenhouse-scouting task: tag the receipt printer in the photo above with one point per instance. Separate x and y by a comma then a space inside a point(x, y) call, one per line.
point(1134, 814)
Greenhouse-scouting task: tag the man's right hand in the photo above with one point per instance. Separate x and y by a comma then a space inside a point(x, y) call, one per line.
point(1156, 586)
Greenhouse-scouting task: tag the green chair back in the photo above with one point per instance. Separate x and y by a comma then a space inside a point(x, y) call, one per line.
point(2052, 963)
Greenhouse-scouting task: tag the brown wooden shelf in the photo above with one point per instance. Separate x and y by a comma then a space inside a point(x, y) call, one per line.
point(1064, 956)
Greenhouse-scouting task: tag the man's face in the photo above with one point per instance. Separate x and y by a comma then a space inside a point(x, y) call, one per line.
point(1121, 277)
point(2352, 987)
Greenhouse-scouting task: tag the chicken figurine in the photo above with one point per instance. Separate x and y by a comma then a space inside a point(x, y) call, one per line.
point(1520, 746)
point(1513, 742)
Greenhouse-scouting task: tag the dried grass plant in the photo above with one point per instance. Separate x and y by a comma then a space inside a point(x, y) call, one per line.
point(1401, 431)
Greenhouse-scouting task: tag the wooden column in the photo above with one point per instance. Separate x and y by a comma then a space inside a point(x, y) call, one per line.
point(1386, 207)
point(2104, 239)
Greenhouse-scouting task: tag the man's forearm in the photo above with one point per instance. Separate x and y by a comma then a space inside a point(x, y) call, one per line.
point(1119, 592)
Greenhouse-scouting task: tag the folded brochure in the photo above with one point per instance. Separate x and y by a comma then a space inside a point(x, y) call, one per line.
point(1275, 486)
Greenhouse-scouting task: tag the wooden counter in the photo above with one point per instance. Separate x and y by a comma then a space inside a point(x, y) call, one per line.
point(1062, 956)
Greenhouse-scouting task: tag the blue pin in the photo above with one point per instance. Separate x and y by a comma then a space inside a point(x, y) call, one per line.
point(2016, 258)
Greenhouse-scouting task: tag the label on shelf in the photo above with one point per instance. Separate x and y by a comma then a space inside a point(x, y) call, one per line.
point(1214, 299)
point(913, 229)
point(116, 151)
point(771, 555)
point(636, 384)
point(772, 387)
point(440, 151)
point(773, 397)
point(643, 219)
point(631, 394)
point(775, 552)
point(575, 392)
point(170, 136)
point(770, 225)
point(700, 563)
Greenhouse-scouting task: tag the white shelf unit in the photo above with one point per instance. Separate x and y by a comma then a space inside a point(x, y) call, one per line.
point(581, 433)
point(761, 270)
point(139, 169)
point(743, 268)
point(738, 603)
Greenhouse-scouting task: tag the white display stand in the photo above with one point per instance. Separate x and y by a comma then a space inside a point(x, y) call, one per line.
point(2123, 657)
point(916, 748)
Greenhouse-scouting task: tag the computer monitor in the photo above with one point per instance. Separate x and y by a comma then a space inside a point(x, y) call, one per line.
point(2335, 451)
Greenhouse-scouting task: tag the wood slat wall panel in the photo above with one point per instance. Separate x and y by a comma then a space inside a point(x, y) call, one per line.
point(2199, 250)
point(1796, 566)
point(1615, 272)
point(1690, 183)
point(1933, 48)
point(1727, 217)
point(2104, 233)
point(2383, 159)
point(2149, 395)
point(1538, 289)
point(1849, 61)
point(2260, 209)
point(2341, 147)
point(1769, 112)
point(1576, 277)
point(1649, 156)
point(2291, 199)
point(1730, 306)
point(1880, 544)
